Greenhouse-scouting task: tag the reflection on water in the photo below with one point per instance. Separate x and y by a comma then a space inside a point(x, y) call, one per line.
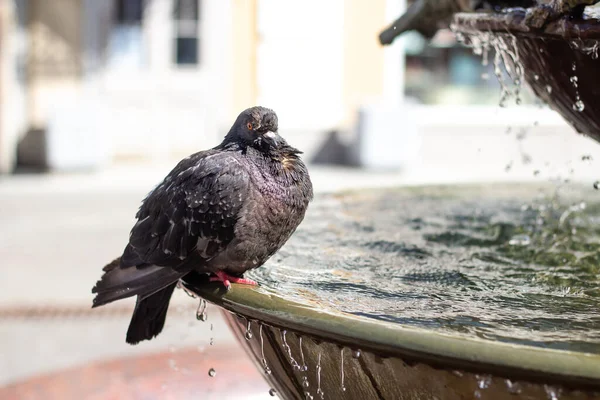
point(503, 263)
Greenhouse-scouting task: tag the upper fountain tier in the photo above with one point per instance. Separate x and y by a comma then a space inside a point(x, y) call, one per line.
point(559, 61)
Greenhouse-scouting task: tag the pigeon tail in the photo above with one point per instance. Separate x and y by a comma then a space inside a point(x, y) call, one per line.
point(149, 315)
point(119, 283)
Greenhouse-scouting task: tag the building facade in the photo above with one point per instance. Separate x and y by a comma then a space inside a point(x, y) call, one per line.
point(96, 82)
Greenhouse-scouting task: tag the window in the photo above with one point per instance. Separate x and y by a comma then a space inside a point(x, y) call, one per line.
point(128, 12)
point(126, 39)
point(187, 44)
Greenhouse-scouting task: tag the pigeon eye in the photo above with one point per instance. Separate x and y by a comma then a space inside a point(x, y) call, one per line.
point(249, 126)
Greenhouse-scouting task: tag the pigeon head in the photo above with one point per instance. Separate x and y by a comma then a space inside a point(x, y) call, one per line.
point(256, 127)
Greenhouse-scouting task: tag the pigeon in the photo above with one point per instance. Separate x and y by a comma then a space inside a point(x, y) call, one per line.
point(429, 16)
point(219, 212)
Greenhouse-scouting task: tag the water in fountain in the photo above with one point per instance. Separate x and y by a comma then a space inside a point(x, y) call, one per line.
point(498, 264)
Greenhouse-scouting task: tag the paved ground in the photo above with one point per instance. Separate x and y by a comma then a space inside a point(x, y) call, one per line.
point(58, 230)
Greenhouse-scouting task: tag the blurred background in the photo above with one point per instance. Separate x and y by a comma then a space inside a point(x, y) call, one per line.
point(99, 100)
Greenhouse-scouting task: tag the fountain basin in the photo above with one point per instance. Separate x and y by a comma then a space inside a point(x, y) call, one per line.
point(559, 62)
point(456, 320)
point(391, 362)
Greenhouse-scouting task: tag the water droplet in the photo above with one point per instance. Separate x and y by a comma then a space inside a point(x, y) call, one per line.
point(212, 341)
point(552, 393)
point(342, 369)
point(304, 366)
point(586, 157)
point(597, 185)
point(319, 390)
point(356, 354)
point(520, 240)
point(483, 382)
point(548, 89)
point(485, 76)
point(288, 350)
point(212, 372)
point(272, 392)
point(262, 350)
point(579, 106)
point(536, 77)
point(182, 287)
point(201, 311)
point(513, 387)
point(248, 334)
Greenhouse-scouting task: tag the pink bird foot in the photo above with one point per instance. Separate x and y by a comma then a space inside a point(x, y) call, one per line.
point(228, 279)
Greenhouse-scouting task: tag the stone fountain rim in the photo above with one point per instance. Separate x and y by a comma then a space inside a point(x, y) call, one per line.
point(512, 22)
point(411, 344)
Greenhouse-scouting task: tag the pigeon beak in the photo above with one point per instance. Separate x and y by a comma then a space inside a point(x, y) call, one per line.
point(272, 138)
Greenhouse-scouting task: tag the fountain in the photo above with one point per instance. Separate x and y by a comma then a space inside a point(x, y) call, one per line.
point(453, 292)
point(559, 62)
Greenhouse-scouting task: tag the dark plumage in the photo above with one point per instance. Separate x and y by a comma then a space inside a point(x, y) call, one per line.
point(222, 211)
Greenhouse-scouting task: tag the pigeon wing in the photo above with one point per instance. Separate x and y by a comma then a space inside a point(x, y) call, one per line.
point(194, 210)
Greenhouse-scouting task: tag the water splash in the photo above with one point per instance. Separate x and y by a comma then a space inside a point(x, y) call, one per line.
point(342, 386)
point(356, 354)
point(575, 208)
point(319, 390)
point(262, 351)
point(506, 58)
point(588, 46)
point(248, 334)
point(201, 311)
point(520, 240)
point(212, 372)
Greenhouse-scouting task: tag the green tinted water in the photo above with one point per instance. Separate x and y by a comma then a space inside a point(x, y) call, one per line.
point(513, 263)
